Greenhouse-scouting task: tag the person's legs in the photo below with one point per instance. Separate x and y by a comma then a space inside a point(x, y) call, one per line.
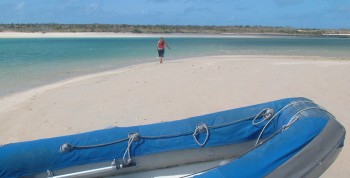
point(161, 55)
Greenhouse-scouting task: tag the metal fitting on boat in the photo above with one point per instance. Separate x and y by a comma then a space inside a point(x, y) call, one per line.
point(201, 128)
point(66, 148)
point(49, 173)
point(134, 136)
point(269, 113)
point(120, 164)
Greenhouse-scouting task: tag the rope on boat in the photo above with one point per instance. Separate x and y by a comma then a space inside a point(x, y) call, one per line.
point(284, 127)
point(267, 114)
point(132, 137)
point(275, 115)
point(200, 128)
point(295, 116)
point(67, 147)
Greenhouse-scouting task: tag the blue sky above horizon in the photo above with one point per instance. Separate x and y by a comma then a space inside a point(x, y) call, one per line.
point(324, 14)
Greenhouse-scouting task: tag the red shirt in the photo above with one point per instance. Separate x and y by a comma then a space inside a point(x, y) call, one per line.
point(161, 44)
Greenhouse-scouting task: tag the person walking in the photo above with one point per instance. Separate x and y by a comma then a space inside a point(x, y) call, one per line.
point(161, 48)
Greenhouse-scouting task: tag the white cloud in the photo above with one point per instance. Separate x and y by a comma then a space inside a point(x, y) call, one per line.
point(20, 6)
point(92, 8)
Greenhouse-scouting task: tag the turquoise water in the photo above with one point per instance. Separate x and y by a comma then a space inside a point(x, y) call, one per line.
point(32, 62)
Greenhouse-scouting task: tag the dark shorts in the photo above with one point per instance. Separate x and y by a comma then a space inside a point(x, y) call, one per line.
point(161, 52)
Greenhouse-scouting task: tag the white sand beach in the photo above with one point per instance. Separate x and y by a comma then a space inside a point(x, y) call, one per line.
point(177, 89)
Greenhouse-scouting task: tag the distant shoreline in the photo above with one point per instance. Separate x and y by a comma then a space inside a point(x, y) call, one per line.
point(169, 29)
point(137, 35)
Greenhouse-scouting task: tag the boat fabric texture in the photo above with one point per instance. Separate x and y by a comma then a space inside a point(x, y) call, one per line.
point(226, 127)
point(264, 159)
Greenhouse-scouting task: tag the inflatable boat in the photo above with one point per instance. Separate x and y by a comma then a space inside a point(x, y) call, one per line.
point(292, 137)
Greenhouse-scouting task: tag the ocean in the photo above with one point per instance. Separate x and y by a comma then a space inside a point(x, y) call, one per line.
point(32, 62)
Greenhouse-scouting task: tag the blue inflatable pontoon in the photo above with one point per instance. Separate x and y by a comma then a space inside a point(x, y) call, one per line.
point(291, 137)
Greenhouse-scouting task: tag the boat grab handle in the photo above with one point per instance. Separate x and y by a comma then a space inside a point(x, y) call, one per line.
point(200, 128)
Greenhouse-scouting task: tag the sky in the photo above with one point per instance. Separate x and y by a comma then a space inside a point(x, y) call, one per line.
point(319, 14)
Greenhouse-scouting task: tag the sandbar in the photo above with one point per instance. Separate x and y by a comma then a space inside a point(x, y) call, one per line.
point(177, 89)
